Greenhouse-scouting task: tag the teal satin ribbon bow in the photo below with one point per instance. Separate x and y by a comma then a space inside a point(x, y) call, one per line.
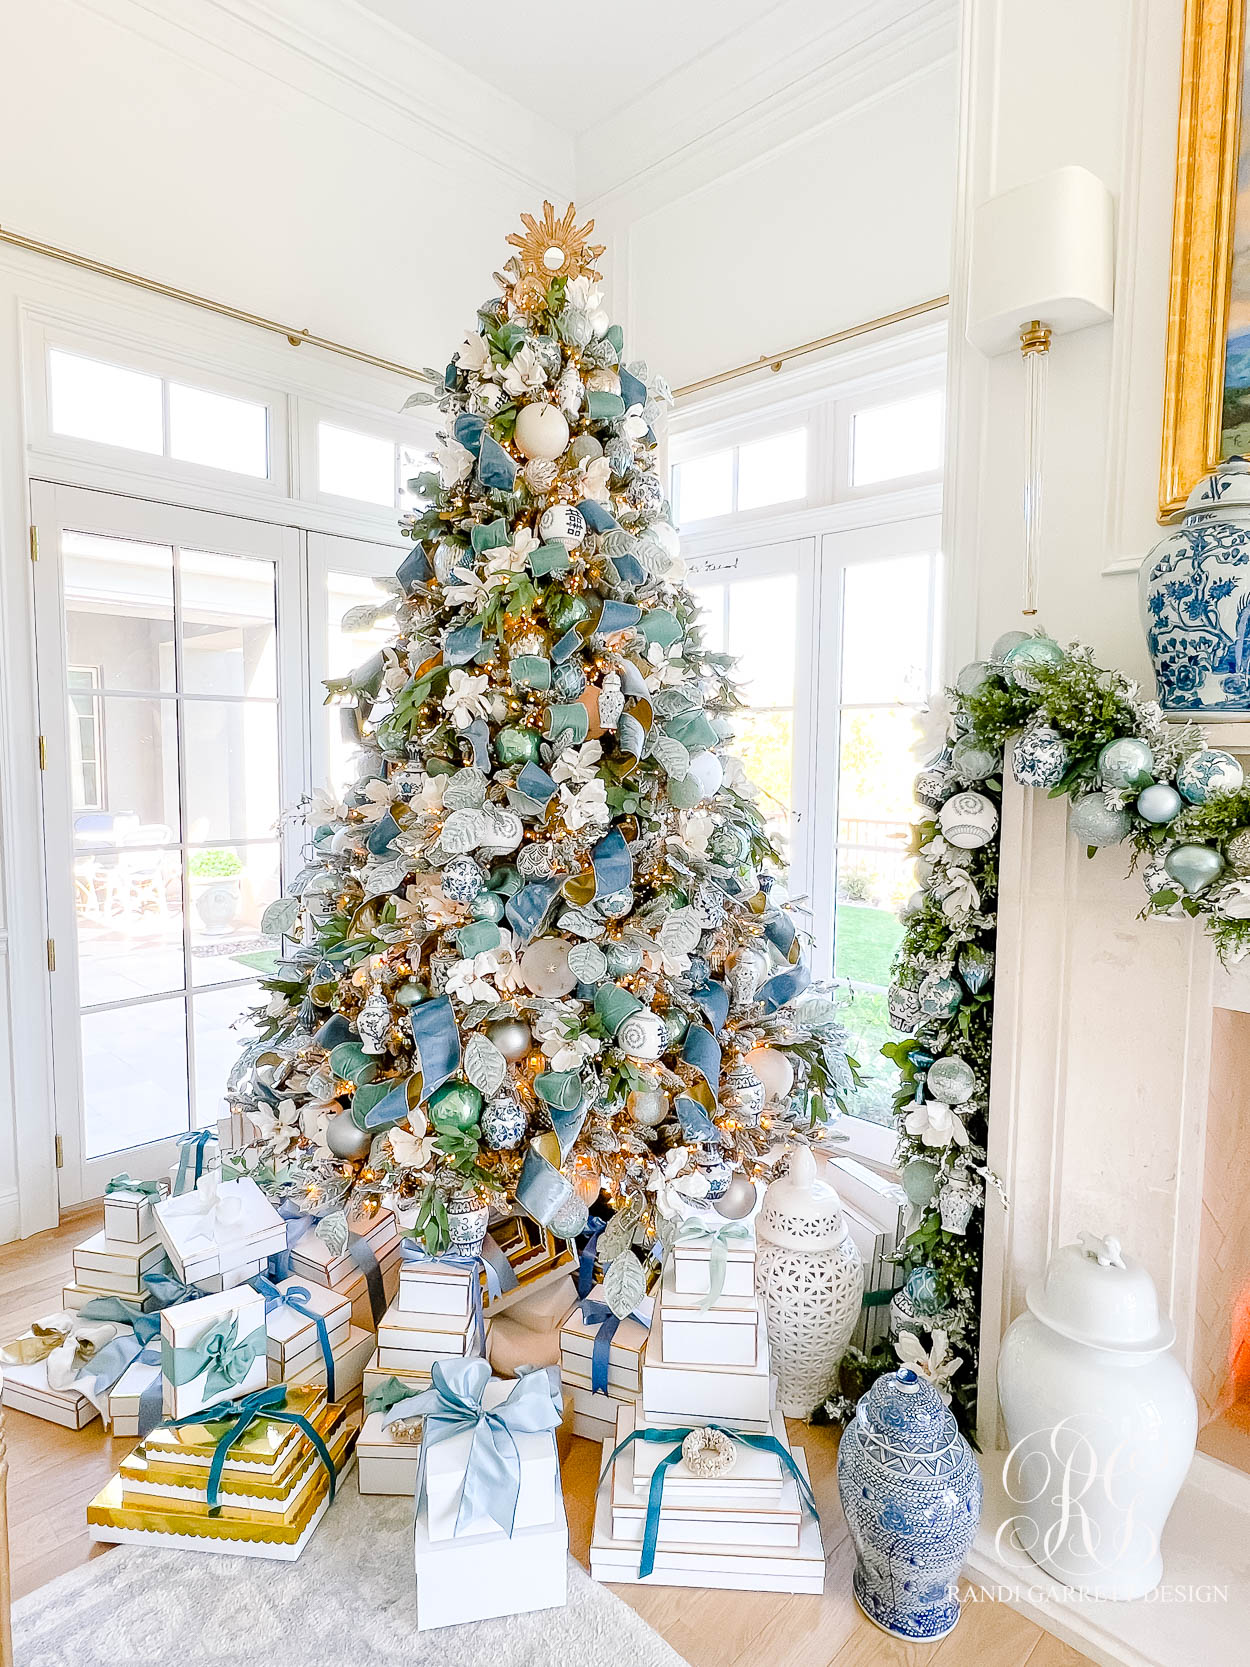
point(453, 1405)
point(655, 1493)
point(193, 1146)
point(221, 1354)
point(237, 1417)
point(716, 1240)
point(123, 1183)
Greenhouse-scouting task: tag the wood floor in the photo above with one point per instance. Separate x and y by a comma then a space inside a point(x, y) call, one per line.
point(54, 1472)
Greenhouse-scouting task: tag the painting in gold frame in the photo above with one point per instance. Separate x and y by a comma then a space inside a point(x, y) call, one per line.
point(1206, 410)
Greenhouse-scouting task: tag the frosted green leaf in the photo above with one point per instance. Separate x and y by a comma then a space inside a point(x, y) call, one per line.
point(588, 962)
point(618, 1235)
point(332, 1231)
point(624, 1284)
point(484, 1065)
point(279, 917)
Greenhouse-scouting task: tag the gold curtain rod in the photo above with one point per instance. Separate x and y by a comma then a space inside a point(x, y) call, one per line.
point(774, 361)
point(297, 338)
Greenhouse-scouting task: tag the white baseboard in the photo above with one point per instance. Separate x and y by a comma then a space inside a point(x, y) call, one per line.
point(1197, 1617)
point(10, 1220)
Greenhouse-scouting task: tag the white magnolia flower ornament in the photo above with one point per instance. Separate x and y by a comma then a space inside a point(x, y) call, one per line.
point(473, 353)
point(279, 1129)
point(455, 462)
point(577, 764)
point(411, 1151)
point(936, 1124)
point(673, 1190)
point(587, 807)
point(525, 374)
point(469, 697)
point(937, 1365)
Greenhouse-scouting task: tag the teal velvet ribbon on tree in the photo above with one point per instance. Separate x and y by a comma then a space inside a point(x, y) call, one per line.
point(655, 1493)
point(238, 1417)
point(416, 1255)
point(453, 1405)
point(600, 1315)
point(221, 1355)
point(191, 1143)
point(123, 1183)
point(695, 1231)
point(297, 1298)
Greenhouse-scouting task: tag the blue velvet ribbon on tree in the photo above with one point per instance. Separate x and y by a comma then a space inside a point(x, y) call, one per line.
point(453, 1405)
point(416, 1256)
point(598, 1314)
point(221, 1356)
point(589, 1246)
point(655, 1493)
point(716, 1240)
point(713, 998)
point(297, 1222)
point(297, 1298)
point(784, 986)
point(193, 1142)
point(238, 1417)
point(612, 864)
point(436, 1038)
point(702, 1050)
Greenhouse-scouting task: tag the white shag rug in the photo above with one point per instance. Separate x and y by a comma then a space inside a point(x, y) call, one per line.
point(349, 1599)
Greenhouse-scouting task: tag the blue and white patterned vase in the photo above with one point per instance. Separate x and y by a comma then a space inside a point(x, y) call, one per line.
point(911, 1493)
point(1195, 595)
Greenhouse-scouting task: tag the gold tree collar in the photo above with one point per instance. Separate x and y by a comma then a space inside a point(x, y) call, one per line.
point(553, 248)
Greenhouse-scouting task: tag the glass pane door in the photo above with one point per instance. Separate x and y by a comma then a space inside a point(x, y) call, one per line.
point(171, 751)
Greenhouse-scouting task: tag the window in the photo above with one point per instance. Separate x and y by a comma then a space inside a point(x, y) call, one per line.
point(748, 476)
point(117, 406)
point(84, 737)
point(889, 442)
point(355, 465)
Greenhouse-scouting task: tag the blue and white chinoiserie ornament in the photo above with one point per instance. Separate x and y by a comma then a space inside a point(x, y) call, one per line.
point(1195, 598)
point(902, 1003)
point(911, 1494)
point(1206, 773)
point(934, 781)
point(1040, 757)
point(940, 996)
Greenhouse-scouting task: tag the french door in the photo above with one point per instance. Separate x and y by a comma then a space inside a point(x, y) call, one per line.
point(171, 675)
point(349, 619)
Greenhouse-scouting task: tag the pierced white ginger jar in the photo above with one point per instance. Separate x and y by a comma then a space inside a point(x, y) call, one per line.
point(1101, 1419)
point(809, 1273)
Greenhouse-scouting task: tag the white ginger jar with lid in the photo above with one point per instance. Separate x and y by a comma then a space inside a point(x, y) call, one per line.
point(810, 1275)
point(1101, 1421)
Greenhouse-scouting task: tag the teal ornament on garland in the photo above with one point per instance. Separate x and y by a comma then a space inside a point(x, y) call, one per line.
point(1127, 762)
point(411, 993)
point(515, 746)
point(1194, 867)
point(975, 966)
point(971, 677)
point(456, 1105)
point(1003, 645)
point(1206, 773)
point(1159, 803)
point(487, 905)
point(1026, 658)
point(1040, 757)
point(919, 1178)
point(973, 762)
point(623, 959)
point(1093, 821)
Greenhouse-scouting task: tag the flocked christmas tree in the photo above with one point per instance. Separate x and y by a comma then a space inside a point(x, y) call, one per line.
point(539, 951)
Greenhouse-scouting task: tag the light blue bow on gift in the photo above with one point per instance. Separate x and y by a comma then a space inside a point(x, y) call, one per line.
point(453, 1405)
point(221, 1355)
point(696, 1231)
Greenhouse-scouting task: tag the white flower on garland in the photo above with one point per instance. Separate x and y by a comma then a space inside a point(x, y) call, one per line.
point(567, 1047)
point(593, 475)
point(455, 462)
point(473, 354)
point(736, 778)
point(936, 1124)
point(1234, 901)
point(633, 424)
point(279, 1129)
point(587, 807)
point(470, 697)
point(429, 799)
point(277, 1006)
point(324, 805)
point(378, 798)
point(584, 294)
point(578, 764)
point(958, 895)
point(314, 1120)
point(673, 1190)
point(525, 374)
point(669, 670)
point(695, 831)
point(936, 1364)
point(469, 587)
point(411, 1150)
point(933, 724)
point(514, 558)
point(470, 979)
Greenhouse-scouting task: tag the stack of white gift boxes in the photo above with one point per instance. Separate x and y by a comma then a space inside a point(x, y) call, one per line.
point(596, 1405)
point(377, 1236)
point(706, 1362)
point(294, 1341)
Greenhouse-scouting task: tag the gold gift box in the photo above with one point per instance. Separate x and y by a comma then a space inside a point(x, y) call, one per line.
point(266, 1444)
point(302, 1485)
point(249, 1480)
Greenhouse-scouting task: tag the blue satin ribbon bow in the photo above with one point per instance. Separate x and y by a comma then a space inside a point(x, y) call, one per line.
point(600, 1315)
point(416, 1255)
point(453, 1406)
point(655, 1493)
point(193, 1142)
point(297, 1298)
point(238, 1417)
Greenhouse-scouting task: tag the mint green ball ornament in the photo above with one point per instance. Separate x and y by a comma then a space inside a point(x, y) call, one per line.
point(1159, 803)
point(1027, 657)
point(564, 610)
point(1194, 867)
point(1003, 646)
point(487, 905)
point(515, 746)
point(1095, 822)
point(411, 993)
point(1126, 762)
point(456, 1105)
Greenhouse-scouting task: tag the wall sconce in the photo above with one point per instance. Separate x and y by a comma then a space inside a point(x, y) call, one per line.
point(1042, 264)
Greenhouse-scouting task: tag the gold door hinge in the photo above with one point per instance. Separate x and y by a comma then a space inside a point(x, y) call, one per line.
point(43, 752)
point(51, 954)
point(34, 543)
point(60, 1153)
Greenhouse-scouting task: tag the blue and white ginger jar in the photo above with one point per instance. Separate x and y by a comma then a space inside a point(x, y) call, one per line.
point(911, 1493)
point(1195, 596)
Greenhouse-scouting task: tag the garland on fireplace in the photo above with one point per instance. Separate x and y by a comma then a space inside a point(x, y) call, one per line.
point(1063, 724)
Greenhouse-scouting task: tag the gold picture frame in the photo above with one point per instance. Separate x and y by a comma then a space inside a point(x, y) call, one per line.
point(1203, 227)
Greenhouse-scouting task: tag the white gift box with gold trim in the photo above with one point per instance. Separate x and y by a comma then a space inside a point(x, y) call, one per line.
point(592, 1429)
point(312, 1257)
point(26, 1390)
point(117, 1269)
point(187, 1323)
point(717, 1336)
point(692, 1269)
point(219, 1228)
point(74, 1296)
point(741, 1395)
point(400, 1350)
point(474, 1577)
point(401, 1328)
point(127, 1392)
point(431, 1288)
point(687, 1523)
point(291, 1334)
point(128, 1217)
point(444, 1476)
point(625, 1351)
point(755, 1480)
point(351, 1356)
point(384, 1464)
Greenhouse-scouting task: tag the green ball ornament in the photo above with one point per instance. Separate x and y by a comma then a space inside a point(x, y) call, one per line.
point(974, 762)
point(676, 1024)
point(487, 905)
point(971, 677)
point(411, 994)
point(1093, 821)
point(456, 1105)
point(1194, 867)
point(516, 746)
point(622, 958)
point(1028, 657)
point(919, 1180)
point(564, 610)
point(1003, 645)
point(1124, 763)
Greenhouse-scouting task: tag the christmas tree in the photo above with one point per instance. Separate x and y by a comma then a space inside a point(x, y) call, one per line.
point(540, 951)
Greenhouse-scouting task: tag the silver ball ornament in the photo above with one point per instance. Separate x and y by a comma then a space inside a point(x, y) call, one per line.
point(1093, 821)
point(511, 1036)
point(346, 1139)
point(738, 1199)
point(571, 1217)
point(647, 1106)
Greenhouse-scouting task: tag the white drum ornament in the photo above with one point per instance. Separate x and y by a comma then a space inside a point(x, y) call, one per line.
point(1101, 1421)
point(774, 1070)
point(541, 431)
point(641, 1035)
point(811, 1277)
point(968, 820)
point(562, 524)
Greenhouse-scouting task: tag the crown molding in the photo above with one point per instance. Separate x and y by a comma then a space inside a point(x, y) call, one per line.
point(767, 86)
point(341, 54)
